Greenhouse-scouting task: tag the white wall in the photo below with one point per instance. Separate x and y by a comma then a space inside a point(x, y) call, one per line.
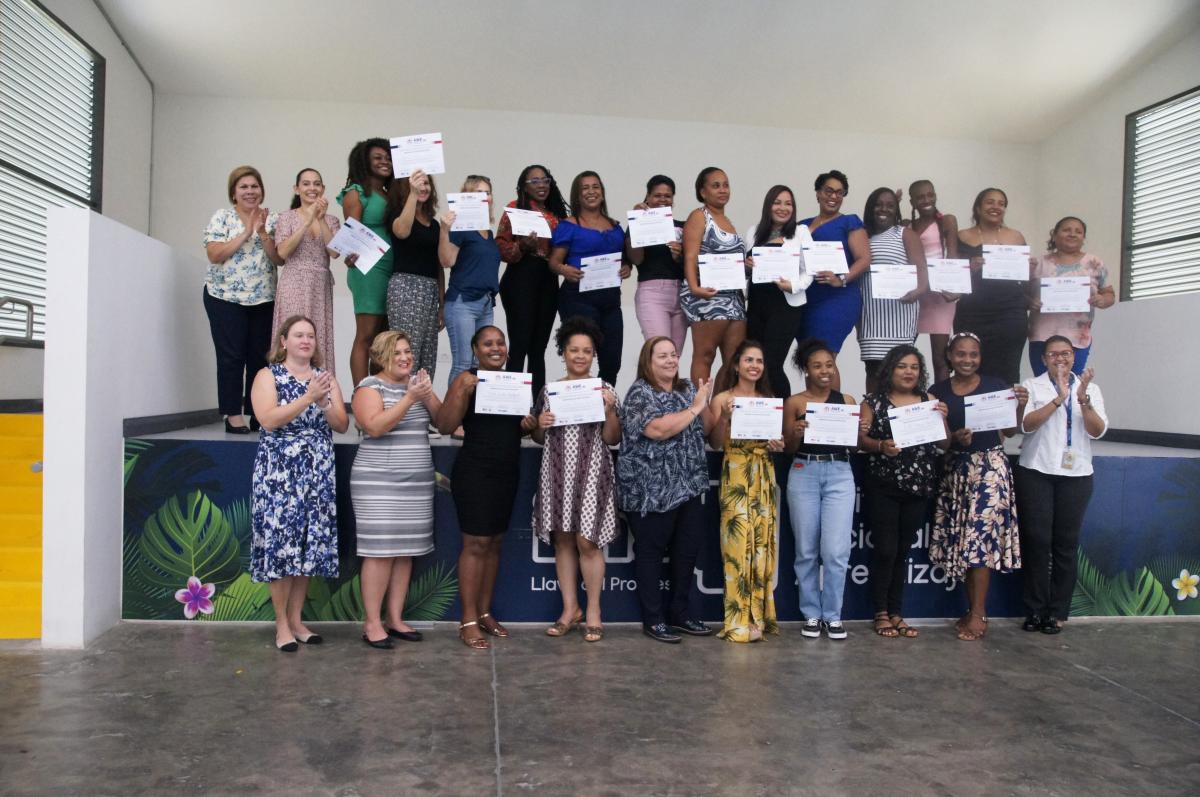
point(1081, 171)
point(112, 352)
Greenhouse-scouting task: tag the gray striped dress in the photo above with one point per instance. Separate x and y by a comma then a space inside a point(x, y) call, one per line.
point(391, 482)
point(885, 323)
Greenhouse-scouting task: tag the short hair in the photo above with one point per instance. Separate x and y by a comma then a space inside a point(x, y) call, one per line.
point(954, 340)
point(279, 354)
point(1050, 247)
point(657, 180)
point(806, 348)
point(702, 176)
point(644, 358)
point(832, 174)
point(1058, 339)
point(478, 332)
point(979, 202)
point(238, 173)
point(892, 359)
point(577, 325)
point(384, 345)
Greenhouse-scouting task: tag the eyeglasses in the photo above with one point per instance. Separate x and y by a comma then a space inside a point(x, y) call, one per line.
point(538, 181)
point(1059, 355)
point(833, 192)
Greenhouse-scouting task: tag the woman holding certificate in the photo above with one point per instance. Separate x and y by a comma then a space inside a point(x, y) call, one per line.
point(821, 427)
point(661, 475)
point(588, 252)
point(529, 289)
point(939, 238)
point(1061, 418)
point(749, 533)
point(483, 482)
point(474, 262)
point(776, 306)
point(418, 283)
point(996, 308)
point(574, 506)
point(975, 515)
point(834, 298)
point(717, 315)
point(904, 433)
point(660, 271)
point(1065, 260)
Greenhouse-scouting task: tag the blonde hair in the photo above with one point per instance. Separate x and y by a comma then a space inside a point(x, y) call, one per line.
point(474, 180)
point(241, 171)
point(384, 345)
point(279, 354)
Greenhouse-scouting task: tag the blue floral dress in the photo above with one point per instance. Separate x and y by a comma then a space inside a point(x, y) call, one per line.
point(294, 512)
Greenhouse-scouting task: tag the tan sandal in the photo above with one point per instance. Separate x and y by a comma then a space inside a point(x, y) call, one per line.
point(562, 629)
point(902, 628)
point(495, 629)
point(475, 643)
point(593, 633)
point(884, 627)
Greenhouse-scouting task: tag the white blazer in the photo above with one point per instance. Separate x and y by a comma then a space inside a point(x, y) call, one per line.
point(797, 296)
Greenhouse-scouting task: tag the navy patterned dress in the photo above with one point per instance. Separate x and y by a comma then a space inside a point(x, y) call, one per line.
point(294, 514)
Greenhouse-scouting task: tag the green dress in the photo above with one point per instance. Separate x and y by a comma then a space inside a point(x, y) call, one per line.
point(749, 539)
point(370, 289)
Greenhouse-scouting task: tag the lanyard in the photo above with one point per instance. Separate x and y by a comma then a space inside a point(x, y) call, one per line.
point(1070, 409)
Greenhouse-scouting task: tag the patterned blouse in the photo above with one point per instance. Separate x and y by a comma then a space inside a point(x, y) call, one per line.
point(1075, 326)
point(248, 276)
point(915, 469)
point(659, 475)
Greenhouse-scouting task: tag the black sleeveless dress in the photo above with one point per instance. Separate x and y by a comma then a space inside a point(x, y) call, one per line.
point(483, 481)
point(997, 311)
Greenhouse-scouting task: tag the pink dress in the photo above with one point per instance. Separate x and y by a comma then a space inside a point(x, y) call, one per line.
point(936, 315)
point(305, 283)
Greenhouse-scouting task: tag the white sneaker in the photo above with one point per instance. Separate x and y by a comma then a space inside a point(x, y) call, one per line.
point(835, 630)
point(811, 629)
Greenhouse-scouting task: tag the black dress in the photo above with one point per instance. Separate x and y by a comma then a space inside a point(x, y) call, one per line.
point(483, 481)
point(998, 312)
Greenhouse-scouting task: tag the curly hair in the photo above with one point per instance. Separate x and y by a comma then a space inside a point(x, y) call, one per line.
point(359, 162)
point(806, 348)
point(832, 174)
point(888, 365)
point(577, 325)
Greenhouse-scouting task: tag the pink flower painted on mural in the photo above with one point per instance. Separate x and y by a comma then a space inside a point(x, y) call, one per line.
point(196, 598)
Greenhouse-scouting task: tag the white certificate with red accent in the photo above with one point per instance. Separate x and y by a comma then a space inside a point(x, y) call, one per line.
point(756, 418)
point(1005, 262)
point(831, 424)
point(988, 412)
point(722, 272)
point(423, 152)
point(504, 393)
point(916, 424)
point(575, 401)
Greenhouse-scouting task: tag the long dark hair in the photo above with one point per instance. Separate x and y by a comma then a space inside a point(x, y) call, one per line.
point(299, 174)
point(358, 164)
point(398, 196)
point(869, 211)
point(729, 378)
point(577, 192)
point(554, 200)
point(979, 202)
point(891, 360)
point(762, 233)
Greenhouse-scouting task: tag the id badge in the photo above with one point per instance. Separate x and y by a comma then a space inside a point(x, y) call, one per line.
point(1068, 459)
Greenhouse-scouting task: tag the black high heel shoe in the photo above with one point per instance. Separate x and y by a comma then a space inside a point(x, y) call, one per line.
point(231, 429)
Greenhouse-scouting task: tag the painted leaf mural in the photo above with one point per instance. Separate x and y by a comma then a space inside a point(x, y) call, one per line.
point(188, 539)
point(242, 600)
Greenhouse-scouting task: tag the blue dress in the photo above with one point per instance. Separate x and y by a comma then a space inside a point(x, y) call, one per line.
point(831, 313)
point(294, 512)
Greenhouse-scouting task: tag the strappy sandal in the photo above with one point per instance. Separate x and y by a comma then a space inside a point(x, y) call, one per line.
point(884, 627)
point(593, 633)
point(902, 628)
point(562, 629)
point(494, 628)
point(475, 643)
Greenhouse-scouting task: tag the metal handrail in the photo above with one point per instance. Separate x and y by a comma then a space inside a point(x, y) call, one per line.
point(28, 305)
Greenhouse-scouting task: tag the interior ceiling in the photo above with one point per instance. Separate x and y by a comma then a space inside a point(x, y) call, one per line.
point(1006, 71)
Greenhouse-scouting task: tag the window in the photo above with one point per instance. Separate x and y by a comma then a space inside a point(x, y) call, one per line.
point(1160, 253)
point(52, 99)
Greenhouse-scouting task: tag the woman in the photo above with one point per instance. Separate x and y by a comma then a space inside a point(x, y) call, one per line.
point(834, 301)
point(474, 262)
point(662, 474)
point(717, 318)
point(239, 292)
point(749, 509)
point(294, 507)
point(939, 239)
point(821, 495)
point(364, 199)
point(995, 310)
point(660, 272)
point(975, 514)
point(886, 323)
point(305, 284)
point(775, 310)
point(484, 486)
point(529, 289)
point(391, 483)
point(574, 506)
point(417, 287)
point(1054, 480)
point(897, 485)
point(1065, 258)
point(587, 233)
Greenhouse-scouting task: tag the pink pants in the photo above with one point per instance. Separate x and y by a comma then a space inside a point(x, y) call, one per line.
point(657, 306)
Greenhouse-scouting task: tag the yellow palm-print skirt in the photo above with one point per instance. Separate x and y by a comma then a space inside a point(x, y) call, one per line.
point(749, 540)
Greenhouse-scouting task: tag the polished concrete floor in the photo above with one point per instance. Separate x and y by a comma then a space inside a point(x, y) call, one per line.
point(1106, 708)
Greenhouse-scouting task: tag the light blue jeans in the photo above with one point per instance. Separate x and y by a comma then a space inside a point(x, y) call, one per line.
point(463, 318)
point(821, 507)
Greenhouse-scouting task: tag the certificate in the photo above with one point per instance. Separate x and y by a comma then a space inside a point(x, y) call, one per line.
point(892, 280)
point(651, 227)
point(916, 424)
point(423, 152)
point(825, 256)
point(355, 238)
point(1004, 262)
point(503, 393)
point(528, 221)
point(471, 211)
point(831, 424)
point(990, 411)
point(756, 418)
point(600, 271)
point(950, 276)
point(723, 272)
point(773, 263)
point(576, 401)
point(1066, 294)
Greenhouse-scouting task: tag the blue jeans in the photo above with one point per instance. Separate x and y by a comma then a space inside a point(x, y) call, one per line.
point(603, 307)
point(1038, 347)
point(463, 318)
point(821, 507)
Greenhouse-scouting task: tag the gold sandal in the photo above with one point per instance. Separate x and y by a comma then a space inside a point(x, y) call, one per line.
point(562, 629)
point(495, 629)
point(593, 633)
point(475, 643)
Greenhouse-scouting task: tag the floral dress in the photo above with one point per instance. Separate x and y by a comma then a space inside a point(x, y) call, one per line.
point(749, 538)
point(294, 512)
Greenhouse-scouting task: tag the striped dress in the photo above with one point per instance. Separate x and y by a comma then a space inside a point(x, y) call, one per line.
point(885, 323)
point(391, 482)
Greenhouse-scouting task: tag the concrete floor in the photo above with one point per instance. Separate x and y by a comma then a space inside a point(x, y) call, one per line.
point(1106, 708)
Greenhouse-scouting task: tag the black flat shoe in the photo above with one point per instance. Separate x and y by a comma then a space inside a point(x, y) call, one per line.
point(311, 639)
point(692, 627)
point(287, 647)
point(662, 633)
point(1032, 624)
point(1051, 626)
point(231, 429)
point(407, 636)
point(378, 644)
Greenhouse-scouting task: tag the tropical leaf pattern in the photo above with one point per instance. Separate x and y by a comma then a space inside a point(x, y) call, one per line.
point(431, 593)
point(181, 541)
point(1144, 592)
point(749, 526)
point(242, 600)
